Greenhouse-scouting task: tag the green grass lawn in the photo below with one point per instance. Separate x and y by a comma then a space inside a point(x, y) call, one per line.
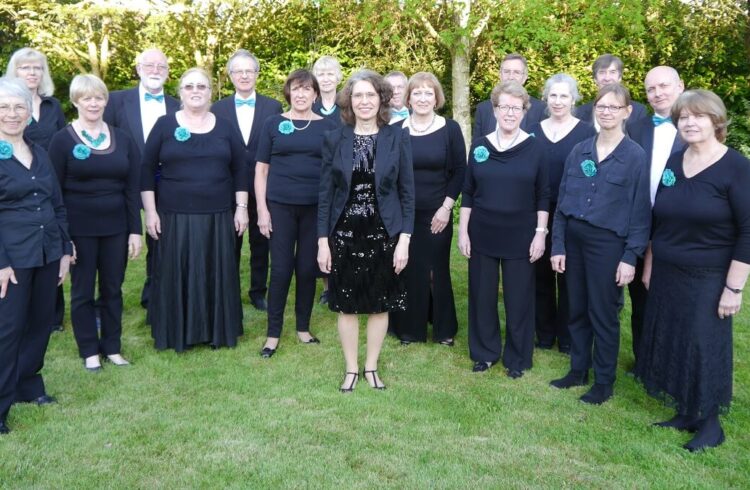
point(228, 418)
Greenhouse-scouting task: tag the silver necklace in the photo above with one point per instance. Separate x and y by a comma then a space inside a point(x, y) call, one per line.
point(500, 143)
point(427, 128)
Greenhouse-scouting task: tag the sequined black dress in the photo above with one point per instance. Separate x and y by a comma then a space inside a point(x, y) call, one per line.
point(362, 277)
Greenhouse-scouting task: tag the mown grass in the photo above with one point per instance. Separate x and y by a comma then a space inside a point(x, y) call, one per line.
point(227, 418)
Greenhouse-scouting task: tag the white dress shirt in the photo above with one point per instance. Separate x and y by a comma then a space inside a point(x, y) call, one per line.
point(150, 110)
point(245, 116)
point(664, 135)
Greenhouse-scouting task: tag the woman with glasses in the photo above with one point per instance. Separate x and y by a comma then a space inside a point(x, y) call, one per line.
point(196, 292)
point(503, 222)
point(600, 227)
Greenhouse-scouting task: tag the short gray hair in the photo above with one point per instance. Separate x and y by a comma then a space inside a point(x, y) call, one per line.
point(562, 78)
point(242, 53)
point(14, 87)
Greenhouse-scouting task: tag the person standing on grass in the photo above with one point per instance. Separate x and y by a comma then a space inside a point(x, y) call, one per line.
point(247, 110)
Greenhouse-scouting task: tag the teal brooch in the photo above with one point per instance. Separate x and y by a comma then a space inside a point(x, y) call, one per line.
point(481, 154)
point(588, 167)
point(6, 150)
point(668, 178)
point(286, 127)
point(81, 152)
point(181, 134)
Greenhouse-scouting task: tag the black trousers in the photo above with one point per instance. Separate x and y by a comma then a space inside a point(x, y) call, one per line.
point(150, 258)
point(485, 341)
point(26, 314)
point(551, 300)
point(591, 260)
point(59, 307)
point(259, 251)
point(294, 250)
point(100, 260)
point(428, 284)
point(638, 296)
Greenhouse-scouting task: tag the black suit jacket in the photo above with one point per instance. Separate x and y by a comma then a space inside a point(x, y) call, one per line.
point(485, 122)
point(124, 111)
point(394, 178)
point(642, 132)
point(585, 113)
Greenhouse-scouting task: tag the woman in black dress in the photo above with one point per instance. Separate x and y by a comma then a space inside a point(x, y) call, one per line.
point(287, 181)
point(196, 292)
point(365, 219)
point(697, 268)
point(98, 167)
point(557, 135)
point(504, 223)
point(35, 252)
point(601, 227)
point(439, 157)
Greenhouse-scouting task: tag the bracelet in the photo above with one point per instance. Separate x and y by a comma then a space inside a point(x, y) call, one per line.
point(545, 230)
point(735, 291)
point(446, 208)
point(242, 205)
point(407, 235)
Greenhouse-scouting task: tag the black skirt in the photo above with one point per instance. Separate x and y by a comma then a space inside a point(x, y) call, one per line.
point(686, 348)
point(196, 287)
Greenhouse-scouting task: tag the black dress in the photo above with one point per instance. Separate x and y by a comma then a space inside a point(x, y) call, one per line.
point(362, 275)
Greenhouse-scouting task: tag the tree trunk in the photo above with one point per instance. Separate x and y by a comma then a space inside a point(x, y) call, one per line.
point(460, 77)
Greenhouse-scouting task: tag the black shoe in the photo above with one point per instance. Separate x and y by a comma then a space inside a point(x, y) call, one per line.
point(573, 378)
point(323, 297)
point(447, 342)
point(351, 386)
point(598, 394)
point(57, 328)
point(374, 384)
point(679, 422)
point(4, 429)
point(267, 352)
point(481, 366)
point(710, 434)
point(514, 373)
point(44, 400)
point(405, 342)
point(259, 304)
point(543, 346)
point(564, 348)
point(313, 340)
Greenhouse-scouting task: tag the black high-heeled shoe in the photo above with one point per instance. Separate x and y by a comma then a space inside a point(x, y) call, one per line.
point(351, 386)
point(374, 384)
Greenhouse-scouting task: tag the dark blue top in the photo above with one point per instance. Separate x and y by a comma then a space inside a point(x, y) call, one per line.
point(101, 193)
point(199, 175)
point(439, 165)
point(554, 154)
point(485, 122)
point(505, 192)
point(51, 120)
point(704, 220)
point(616, 198)
point(293, 159)
point(334, 116)
point(33, 223)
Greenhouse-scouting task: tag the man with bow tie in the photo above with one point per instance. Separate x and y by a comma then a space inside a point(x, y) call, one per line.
point(658, 136)
point(247, 110)
point(135, 111)
point(398, 81)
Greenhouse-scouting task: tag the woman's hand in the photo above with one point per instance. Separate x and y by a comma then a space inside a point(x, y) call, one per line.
point(64, 269)
point(536, 249)
point(558, 263)
point(625, 274)
point(134, 245)
point(464, 244)
point(153, 224)
point(6, 276)
point(75, 253)
point(401, 254)
point(324, 255)
point(264, 223)
point(440, 220)
point(729, 303)
point(241, 220)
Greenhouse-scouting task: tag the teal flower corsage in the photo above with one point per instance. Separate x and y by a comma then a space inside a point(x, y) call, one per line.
point(481, 154)
point(588, 167)
point(182, 134)
point(668, 178)
point(286, 127)
point(81, 152)
point(6, 150)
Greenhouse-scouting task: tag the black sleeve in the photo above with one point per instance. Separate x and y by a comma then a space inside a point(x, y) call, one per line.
point(61, 215)
point(639, 227)
point(560, 222)
point(406, 181)
point(456, 163)
point(150, 162)
point(467, 193)
point(59, 149)
point(59, 116)
point(265, 142)
point(240, 175)
point(739, 202)
point(132, 189)
point(541, 185)
point(325, 194)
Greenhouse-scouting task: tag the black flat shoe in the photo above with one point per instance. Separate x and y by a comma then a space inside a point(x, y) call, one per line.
point(514, 373)
point(4, 429)
point(564, 348)
point(405, 342)
point(481, 366)
point(351, 386)
point(259, 304)
point(573, 378)
point(598, 394)
point(44, 400)
point(447, 342)
point(312, 340)
point(267, 352)
point(374, 383)
point(710, 434)
point(680, 422)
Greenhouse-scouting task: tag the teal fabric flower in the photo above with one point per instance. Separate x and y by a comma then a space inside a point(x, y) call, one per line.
point(181, 134)
point(81, 152)
point(286, 127)
point(588, 167)
point(668, 178)
point(6, 150)
point(481, 154)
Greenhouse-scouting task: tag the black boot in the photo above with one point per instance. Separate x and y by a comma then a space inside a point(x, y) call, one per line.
point(598, 394)
point(3, 428)
point(680, 422)
point(710, 434)
point(573, 378)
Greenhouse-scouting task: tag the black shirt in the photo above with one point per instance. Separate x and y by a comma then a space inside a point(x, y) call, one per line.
point(616, 198)
point(334, 116)
point(51, 120)
point(33, 224)
point(505, 192)
point(293, 159)
point(198, 175)
point(439, 165)
point(704, 220)
point(101, 192)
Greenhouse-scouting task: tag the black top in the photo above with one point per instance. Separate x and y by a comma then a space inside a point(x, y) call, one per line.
point(198, 175)
point(294, 159)
point(33, 223)
point(504, 192)
point(485, 122)
point(334, 116)
point(101, 192)
point(616, 198)
point(439, 165)
point(585, 113)
point(51, 120)
point(554, 154)
point(704, 220)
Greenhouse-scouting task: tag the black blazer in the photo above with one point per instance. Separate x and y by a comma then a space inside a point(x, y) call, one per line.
point(485, 122)
point(642, 132)
point(394, 178)
point(124, 111)
point(585, 113)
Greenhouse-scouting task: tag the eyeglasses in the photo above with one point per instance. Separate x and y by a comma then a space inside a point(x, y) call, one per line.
point(612, 109)
point(16, 109)
point(510, 108)
point(154, 66)
point(243, 73)
point(31, 68)
point(364, 95)
point(195, 86)
point(613, 72)
point(518, 73)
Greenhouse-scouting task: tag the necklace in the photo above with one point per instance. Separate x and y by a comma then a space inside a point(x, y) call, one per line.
point(694, 163)
point(303, 128)
point(512, 142)
point(328, 112)
point(416, 130)
point(95, 142)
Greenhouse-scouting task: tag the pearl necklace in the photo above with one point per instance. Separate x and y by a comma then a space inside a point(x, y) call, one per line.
point(302, 128)
point(427, 128)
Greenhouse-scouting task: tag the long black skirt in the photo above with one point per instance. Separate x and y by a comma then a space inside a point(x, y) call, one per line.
point(196, 286)
point(686, 348)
